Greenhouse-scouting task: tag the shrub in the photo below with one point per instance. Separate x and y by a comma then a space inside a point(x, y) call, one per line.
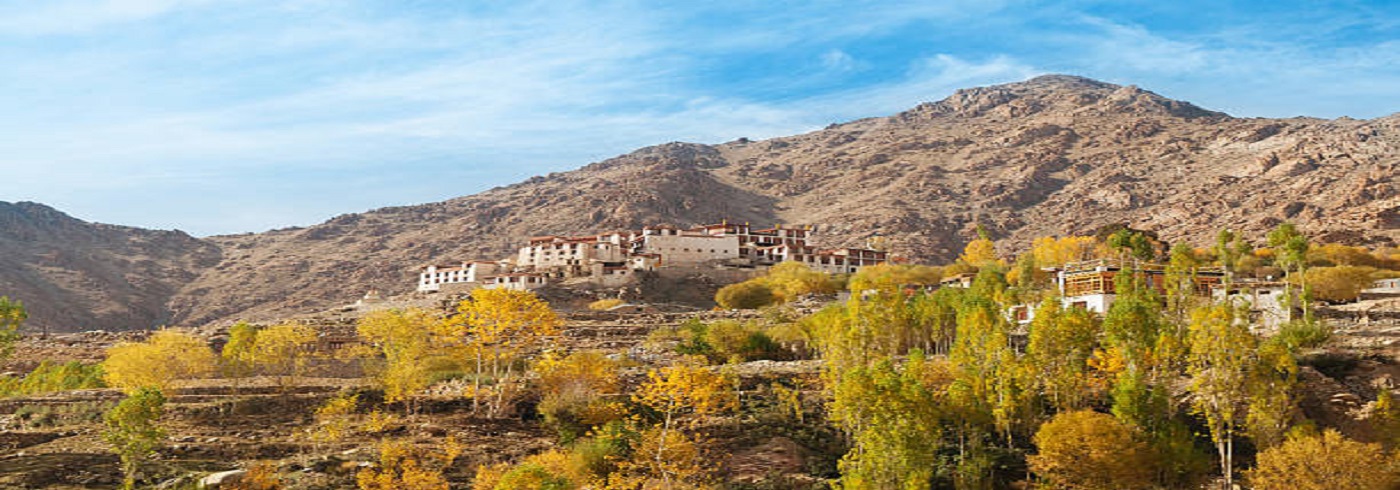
point(1304, 334)
point(605, 304)
point(1323, 462)
point(1090, 450)
point(52, 377)
point(746, 295)
point(1339, 284)
point(574, 391)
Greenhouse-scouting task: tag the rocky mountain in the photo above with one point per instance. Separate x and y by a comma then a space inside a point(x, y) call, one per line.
point(1051, 155)
point(75, 275)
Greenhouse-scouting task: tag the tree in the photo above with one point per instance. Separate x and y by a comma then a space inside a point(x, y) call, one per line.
point(1292, 250)
point(333, 422)
point(1054, 252)
point(281, 350)
point(980, 252)
point(237, 354)
point(1091, 451)
point(12, 316)
point(1338, 284)
point(132, 430)
point(1133, 243)
point(1227, 253)
point(404, 338)
point(167, 356)
point(790, 280)
point(746, 295)
point(1061, 342)
point(990, 378)
point(1325, 462)
point(684, 388)
point(892, 416)
point(1271, 406)
point(1222, 355)
point(496, 324)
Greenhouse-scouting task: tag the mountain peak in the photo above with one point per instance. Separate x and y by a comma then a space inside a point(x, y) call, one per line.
point(1056, 94)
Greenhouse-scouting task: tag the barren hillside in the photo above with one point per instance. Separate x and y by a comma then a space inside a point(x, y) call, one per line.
point(1052, 155)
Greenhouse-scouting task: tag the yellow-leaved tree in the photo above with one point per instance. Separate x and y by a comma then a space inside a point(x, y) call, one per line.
point(692, 388)
point(496, 325)
point(578, 392)
point(167, 356)
point(405, 339)
point(282, 351)
point(1091, 451)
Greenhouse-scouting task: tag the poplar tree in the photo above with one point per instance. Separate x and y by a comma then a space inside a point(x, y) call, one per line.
point(132, 430)
point(497, 325)
point(892, 415)
point(1061, 342)
point(1222, 356)
point(404, 338)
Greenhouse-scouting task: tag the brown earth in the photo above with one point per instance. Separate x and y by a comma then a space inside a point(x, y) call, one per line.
point(1052, 155)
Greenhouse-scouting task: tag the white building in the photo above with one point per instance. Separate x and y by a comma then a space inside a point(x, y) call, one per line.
point(1268, 302)
point(1090, 285)
point(519, 281)
point(613, 259)
point(434, 277)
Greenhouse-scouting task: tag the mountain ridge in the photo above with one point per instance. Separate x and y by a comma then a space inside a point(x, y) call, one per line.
point(1052, 155)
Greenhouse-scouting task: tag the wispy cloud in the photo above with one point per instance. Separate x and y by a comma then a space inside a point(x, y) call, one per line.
point(206, 115)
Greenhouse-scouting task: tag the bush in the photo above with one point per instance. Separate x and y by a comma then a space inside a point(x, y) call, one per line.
point(1304, 334)
point(52, 377)
point(1339, 284)
point(1090, 450)
point(746, 295)
point(1324, 462)
point(575, 391)
point(605, 304)
point(723, 341)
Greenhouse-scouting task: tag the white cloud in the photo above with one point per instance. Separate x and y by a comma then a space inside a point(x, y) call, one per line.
point(1133, 46)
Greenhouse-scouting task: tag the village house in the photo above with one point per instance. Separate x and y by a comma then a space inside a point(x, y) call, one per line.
point(614, 259)
point(1091, 284)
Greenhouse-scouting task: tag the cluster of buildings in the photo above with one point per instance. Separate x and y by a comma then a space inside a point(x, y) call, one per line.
point(1091, 285)
point(614, 259)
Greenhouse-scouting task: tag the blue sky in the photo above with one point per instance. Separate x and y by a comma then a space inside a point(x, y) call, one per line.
point(244, 115)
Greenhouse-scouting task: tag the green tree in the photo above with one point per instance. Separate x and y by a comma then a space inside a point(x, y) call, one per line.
point(132, 430)
point(12, 317)
point(1291, 248)
point(1133, 243)
point(892, 415)
point(1222, 356)
point(1271, 405)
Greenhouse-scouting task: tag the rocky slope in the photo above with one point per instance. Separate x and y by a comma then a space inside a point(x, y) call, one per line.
point(1051, 155)
point(75, 275)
